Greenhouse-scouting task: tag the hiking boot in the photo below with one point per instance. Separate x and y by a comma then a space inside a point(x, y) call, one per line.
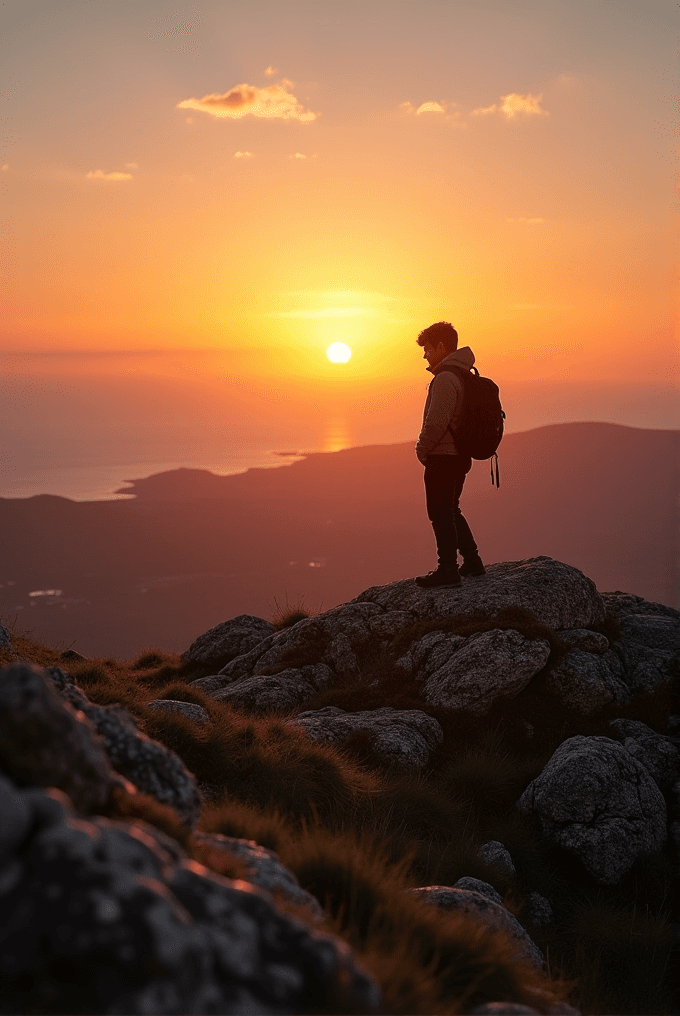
point(471, 567)
point(440, 577)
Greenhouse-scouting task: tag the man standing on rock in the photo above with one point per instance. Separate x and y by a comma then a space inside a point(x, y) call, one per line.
point(445, 467)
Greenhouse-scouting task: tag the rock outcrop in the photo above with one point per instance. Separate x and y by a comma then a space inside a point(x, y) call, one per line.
point(555, 593)
point(598, 802)
point(141, 928)
point(284, 671)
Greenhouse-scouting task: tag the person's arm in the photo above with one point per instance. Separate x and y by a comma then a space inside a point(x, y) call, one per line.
point(446, 395)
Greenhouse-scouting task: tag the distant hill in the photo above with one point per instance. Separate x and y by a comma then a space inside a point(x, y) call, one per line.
point(193, 549)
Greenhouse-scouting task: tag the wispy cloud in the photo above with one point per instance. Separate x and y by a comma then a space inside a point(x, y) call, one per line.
point(431, 106)
point(272, 102)
point(528, 222)
point(99, 174)
point(271, 71)
point(243, 155)
point(513, 105)
point(131, 165)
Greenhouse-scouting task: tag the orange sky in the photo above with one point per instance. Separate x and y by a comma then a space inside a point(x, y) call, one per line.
point(262, 180)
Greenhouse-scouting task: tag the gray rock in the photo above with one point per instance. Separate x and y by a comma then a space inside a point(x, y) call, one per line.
point(150, 766)
point(224, 642)
point(557, 594)
point(314, 640)
point(538, 910)
point(143, 929)
point(657, 753)
point(476, 885)
point(586, 682)
point(493, 915)
point(497, 856)
point(404, 738)
point(266, 870)
point(5, 638)
point(385, 626)
point(191, 710)
point(587, 641)
point(488, 666)
point(290, 689)
point(429, 653)
point(46, 742)
point(649, 641)
point(595, 800)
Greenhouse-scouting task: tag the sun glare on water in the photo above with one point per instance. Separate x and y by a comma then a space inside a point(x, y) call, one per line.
point(338, 352)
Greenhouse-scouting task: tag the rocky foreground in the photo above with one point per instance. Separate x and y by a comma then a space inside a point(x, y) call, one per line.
point(122, 910)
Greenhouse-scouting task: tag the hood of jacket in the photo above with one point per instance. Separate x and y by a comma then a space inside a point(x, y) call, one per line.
point(463, 357)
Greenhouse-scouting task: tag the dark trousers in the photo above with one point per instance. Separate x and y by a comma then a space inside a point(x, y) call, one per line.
point(444, 479)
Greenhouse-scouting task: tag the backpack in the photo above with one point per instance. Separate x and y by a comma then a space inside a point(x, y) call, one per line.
point(481, 428)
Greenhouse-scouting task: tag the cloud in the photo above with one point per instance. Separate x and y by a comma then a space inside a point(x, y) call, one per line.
point(298, 155)
point(513, 105)
point(529, 222)
point(99, 174)
point(272, 102)
point(271, 71)
point(243, 155)
point(131, 165)
point(5, 167)
point(430, 107)
point(448, 109)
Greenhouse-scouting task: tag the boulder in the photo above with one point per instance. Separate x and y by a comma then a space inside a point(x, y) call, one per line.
point(493, 915)
point(46, 742)
point(487, 666)
point(655, 752)
point(141, 928)
point(289, 689)
point(497, 856)
point(476, 885)
point(586, 682)
point(403, 738)
point(191, 710)
point(557, 594)
point(227, 640)
point(266, 871)
point(150, 766)
point(598, 802)
point(649, 642)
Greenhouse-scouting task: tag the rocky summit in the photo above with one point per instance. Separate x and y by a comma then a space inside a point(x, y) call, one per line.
point(123, 912)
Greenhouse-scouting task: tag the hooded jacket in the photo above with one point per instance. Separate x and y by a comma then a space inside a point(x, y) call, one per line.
point(443, 406)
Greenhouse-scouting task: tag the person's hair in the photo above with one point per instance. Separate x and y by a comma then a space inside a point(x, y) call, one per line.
point(442, 331)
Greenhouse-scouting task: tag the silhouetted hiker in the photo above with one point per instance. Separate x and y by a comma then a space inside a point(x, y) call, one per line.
point(445, 467)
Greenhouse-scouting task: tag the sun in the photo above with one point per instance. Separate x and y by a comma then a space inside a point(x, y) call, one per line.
point(338, 352)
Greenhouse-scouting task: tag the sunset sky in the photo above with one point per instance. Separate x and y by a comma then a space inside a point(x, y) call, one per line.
point(242, 184)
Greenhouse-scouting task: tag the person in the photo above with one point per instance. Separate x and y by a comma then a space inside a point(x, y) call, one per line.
point(445, 467)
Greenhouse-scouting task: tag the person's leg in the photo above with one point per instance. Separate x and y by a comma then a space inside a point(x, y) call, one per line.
point(444, 479)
